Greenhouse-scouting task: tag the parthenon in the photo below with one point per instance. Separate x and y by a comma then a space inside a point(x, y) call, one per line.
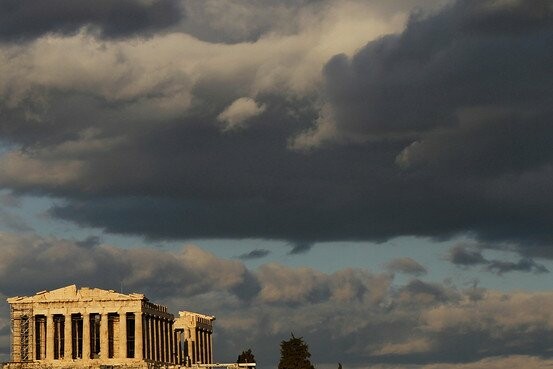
point(90, 327)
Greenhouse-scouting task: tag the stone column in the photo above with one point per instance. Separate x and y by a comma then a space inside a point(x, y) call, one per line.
point(209, 348)
point(207, 360)
point(191, 347)
point(138, 334)
point(179, 338)
point(68, 338)
point(145, 335)
point(159, 334)
point(175, 340)
point(152, 328)
point(122, 336)
point(152, 331)
point(162, 339)
point(163, 333)
point(202, 335)
point(104, 336)
point(197, 340)
point(49, 337)
point(167, 341)
point(200, 346)
point(86, 336)
point(172, 356)
point(157, 340)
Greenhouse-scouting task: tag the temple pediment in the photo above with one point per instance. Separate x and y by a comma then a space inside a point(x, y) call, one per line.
point(73, 293)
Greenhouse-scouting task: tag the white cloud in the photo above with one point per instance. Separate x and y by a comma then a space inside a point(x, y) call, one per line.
point(239, 112)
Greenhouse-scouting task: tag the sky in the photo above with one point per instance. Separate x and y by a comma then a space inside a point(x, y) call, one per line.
point(371, 175)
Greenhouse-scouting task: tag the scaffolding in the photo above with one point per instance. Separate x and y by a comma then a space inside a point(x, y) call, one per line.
point(21, 318)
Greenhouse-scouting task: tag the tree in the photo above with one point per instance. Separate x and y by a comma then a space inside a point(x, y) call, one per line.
point(294, 354)
point(246, 357)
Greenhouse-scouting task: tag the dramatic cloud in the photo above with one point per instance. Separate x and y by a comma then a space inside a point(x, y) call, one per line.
point(30, 261)
point(352, 315)
point(463, 255)
point(350, 129)
point(466, 256)
point(237, 113)
point(27, 19)
point(304, 121)
point(523, 265)
point(300, 247)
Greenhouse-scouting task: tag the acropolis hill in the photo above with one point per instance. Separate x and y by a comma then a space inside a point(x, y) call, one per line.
point(84, 327)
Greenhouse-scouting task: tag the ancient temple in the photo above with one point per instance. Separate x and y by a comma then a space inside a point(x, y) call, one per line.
point(91, 327)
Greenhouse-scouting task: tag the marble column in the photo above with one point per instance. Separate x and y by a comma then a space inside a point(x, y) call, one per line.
point(104, 336)
point(162, 338)
point(202, 342)
point(49, 337)
point(157, 340)
point(145, 336)
point(172, 352)
point(176, 359)
point(197, 340)
point(138, 334)
point(68, 341)
point(209, 348)
point(167, 342)
point(200, 347)
point(190, 346)
point(152, 331)
point(122, 336)
point(86, 336)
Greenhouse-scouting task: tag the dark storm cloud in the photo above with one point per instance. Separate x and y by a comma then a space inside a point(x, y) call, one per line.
point(300, 247)
point(243, 20)
point(461, 255)
point(472, 54)
point(255, 254)
point(437, 131)
point(523, 265)
point(466, 256)
point(249, 20)
point(28, 19)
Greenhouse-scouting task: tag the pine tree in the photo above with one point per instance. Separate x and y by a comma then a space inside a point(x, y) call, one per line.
point(294, 354)
point(246, 357)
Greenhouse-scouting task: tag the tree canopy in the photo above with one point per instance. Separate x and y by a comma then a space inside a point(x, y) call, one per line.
point(294, 354)
point(246, 357)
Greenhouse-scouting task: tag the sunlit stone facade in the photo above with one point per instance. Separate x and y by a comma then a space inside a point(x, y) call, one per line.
point(90, 327)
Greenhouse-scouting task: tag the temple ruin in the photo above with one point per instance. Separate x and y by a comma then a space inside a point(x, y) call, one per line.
point(90, 327)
